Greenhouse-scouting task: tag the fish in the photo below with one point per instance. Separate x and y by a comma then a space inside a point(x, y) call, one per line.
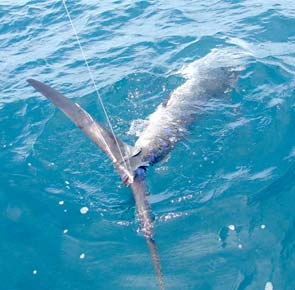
point(207, 79)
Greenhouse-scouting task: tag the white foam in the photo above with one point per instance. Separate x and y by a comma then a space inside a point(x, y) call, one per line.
point(137, 127)
point(292, 154)
point(275, 102)
point(84, 210)
point(225, 57)
point(242, 172)
point(264, 174)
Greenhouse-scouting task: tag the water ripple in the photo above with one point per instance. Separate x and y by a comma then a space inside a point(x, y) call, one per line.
point(233, 173)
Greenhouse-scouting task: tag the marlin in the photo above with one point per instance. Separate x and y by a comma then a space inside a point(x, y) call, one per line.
point(209, 78)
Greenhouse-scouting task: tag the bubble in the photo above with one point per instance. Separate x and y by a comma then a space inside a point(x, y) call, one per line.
point(232, 227)
point(82, 256)
point(66, 231)
point(66, 182)
point(61, 202)
point(268, 286)
point(123, 223)
point(35, 272)
point(171, 215)
point(84, 210)
point(263, 227)
point(240, 246)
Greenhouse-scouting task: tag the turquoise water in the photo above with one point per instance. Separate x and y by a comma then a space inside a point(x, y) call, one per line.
point(223, 202)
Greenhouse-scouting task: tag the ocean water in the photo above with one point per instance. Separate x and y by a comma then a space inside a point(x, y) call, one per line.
point(224, 200)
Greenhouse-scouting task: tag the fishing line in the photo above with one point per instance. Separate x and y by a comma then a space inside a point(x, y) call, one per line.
point(95, 87)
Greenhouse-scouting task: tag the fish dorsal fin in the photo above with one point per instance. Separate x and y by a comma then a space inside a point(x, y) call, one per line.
point(103, 138)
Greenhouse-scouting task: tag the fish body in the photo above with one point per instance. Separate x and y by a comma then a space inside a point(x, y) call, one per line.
point(206, 79)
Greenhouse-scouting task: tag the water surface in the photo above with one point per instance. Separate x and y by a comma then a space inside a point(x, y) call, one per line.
point(224, 200)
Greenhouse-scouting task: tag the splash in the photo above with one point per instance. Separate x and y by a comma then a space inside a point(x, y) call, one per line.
point(137, 127)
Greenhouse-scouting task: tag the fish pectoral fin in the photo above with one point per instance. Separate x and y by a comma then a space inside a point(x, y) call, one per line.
point(102, 137)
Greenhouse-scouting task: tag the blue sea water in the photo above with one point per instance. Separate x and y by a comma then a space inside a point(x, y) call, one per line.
point(223, 202)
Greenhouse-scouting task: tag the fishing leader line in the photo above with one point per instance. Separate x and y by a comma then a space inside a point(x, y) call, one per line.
point(95, 87)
